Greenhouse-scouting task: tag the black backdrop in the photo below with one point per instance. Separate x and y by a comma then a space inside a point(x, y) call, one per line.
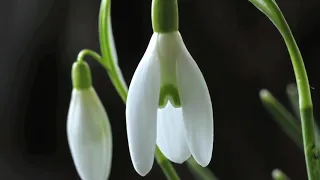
point(238, 50)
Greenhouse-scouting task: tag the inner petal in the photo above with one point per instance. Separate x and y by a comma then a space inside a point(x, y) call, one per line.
point(171, 134)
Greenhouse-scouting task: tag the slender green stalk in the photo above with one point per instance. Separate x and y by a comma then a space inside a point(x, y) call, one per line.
point(165, 16)
point(88, 52)
point(166, 166)
point(282, 116)
point(277, 174)
point(273, 12)
point(109, 60)
point(200, 172)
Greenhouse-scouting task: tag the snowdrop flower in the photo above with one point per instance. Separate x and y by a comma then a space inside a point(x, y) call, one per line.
point(168, 101)
point(88, 128)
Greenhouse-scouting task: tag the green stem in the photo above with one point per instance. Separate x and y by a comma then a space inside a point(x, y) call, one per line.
point(283, 117)
point(108, 60)
point(200, 172)
point(306, 106)
point(165, 16)
point(88, 52)
point(104, 32)
point(292, 92)
point(166, 166)
point(271, 9)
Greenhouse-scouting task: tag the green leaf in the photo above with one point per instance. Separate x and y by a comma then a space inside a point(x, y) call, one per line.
point(282, 116)
point(201, 173)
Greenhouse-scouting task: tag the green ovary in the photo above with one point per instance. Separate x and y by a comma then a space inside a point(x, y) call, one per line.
point(169, 92)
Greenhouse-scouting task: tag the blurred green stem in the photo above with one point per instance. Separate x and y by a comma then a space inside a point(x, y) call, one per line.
point(282, 116)
point(273, 12)
point(293, 96)
point(166, 166)
point(200, 172)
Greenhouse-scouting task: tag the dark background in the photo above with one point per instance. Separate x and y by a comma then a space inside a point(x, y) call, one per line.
point(238, 50)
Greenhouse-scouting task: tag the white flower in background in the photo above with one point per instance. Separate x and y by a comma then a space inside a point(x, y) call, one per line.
point(168, 104)
point(88, 128)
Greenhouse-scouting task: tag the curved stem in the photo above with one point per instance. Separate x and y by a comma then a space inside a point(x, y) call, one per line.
point(273, 12)
point(103, 31)
point(306, 106)
point(86, 52)
point(109, 59)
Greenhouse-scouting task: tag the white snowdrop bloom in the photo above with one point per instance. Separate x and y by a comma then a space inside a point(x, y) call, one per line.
point(168, 104)
point(88, 128)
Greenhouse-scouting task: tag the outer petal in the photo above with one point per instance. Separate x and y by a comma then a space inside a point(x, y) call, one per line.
point(141, 110)
point(196, 107)
point(171, 137)
point(89, 135)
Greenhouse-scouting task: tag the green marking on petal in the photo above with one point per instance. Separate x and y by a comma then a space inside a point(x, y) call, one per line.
point(169, 92)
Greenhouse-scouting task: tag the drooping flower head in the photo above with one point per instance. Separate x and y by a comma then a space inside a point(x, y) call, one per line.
point(88, 128)
point(168, 101)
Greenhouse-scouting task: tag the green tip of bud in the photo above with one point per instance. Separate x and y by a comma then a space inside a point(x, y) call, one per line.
point(165, 16)
point(81, 75)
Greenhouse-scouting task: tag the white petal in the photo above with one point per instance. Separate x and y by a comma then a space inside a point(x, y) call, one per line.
point(89, 135)
point(171, 137)
point(196, 108)
point(141, 111)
